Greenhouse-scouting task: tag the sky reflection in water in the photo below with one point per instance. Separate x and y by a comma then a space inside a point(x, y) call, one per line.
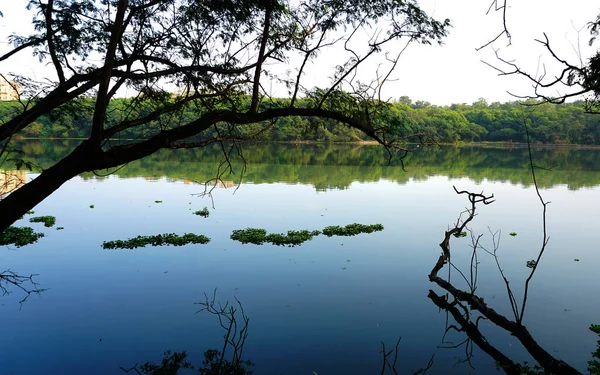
point(324, 306)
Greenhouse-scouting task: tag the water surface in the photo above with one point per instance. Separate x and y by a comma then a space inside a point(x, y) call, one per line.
point(325, 306)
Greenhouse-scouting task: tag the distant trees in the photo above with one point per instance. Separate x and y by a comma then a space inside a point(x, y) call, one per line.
point(479, 122)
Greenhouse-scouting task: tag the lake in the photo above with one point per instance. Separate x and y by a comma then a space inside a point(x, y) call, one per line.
point(323, 307)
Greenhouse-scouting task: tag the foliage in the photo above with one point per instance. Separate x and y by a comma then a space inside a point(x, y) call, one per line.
point(594, 364)
point(566, 123)
point(156, 240)
point(48, 221)
point(203, 212)
point(158, 201)
point(19, 236)
point(214, 365)
point(351, 229)
point(531, 263)
point(170, 364)
point(460, 234)
point(512, 234)
point(91, 206)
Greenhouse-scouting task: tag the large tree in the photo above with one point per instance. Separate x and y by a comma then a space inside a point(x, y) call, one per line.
point(216, 53)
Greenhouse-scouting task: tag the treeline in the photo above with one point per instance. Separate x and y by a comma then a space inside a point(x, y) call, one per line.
point(478, 122)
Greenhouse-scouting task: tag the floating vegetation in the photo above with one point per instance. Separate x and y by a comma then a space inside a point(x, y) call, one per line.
point(351, 229)
point(513, 233)
point(60, 228)
point(259, 236)
point(157, 201)
point(19, 236)
point(157, 240)
point(203, 212)
point(48, 221)
point(531, 263)
point(256, 236)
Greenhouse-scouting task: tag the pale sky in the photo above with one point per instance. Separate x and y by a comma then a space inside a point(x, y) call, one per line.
point(452, 73)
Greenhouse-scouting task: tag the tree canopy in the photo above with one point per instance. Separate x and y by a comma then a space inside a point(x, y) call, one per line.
point(216, 54)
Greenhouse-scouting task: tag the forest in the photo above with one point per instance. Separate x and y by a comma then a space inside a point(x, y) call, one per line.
point(548, 123)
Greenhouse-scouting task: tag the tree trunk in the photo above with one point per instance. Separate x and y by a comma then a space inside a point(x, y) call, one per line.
point(22, 200)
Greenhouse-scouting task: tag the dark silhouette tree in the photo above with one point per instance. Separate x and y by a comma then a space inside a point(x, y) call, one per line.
point(217, 54)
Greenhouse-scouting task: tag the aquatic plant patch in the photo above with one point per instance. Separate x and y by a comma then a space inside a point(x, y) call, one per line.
point(259, 236)
point(203, 212)
point(19, 236)
point(157, 240)
point(351, 229)
point(48, 221)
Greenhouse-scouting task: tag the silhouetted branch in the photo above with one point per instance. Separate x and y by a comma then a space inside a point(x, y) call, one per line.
point(26, 284)
point(545, 359)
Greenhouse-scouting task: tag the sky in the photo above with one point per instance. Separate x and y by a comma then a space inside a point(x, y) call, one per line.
point(451, 73)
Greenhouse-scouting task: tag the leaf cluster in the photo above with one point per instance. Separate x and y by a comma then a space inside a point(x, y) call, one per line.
point(156, 240)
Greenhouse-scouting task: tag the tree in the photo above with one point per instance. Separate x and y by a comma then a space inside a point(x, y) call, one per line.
point(574, 79)
point(216, 53)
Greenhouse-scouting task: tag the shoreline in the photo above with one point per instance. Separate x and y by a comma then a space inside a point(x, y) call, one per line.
point(503, 145)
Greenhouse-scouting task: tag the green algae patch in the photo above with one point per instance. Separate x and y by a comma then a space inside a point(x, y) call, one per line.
point(165, 239)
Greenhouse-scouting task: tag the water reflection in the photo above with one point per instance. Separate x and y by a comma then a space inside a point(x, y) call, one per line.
point(11, 180)
point(328, 166)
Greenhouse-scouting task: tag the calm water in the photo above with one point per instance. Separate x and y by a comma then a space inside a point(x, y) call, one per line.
point(325, 306)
